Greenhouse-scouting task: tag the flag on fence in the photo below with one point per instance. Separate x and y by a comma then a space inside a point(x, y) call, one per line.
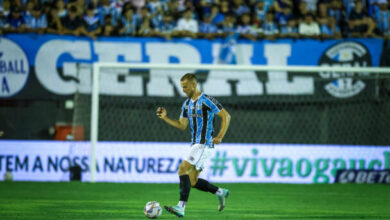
point(227, 54)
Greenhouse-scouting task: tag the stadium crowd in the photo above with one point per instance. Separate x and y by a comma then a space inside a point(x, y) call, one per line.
point(251, 19)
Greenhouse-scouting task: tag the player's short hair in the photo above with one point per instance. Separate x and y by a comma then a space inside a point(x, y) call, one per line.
point(189, 77)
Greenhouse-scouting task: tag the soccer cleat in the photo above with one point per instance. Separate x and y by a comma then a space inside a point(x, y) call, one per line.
point(222, 199)
point(176, 210)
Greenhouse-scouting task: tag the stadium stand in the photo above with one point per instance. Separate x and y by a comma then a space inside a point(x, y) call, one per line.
point(251, 19)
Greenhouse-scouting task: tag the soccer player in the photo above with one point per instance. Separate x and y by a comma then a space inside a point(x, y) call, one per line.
point(198, 110)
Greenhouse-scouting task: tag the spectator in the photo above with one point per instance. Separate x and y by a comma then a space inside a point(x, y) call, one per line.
point(155, 7)
point(251, 4)
point(172, 7)
point(225, 7)
point(324, 2)
point(290, 30)
point(349, 5)
point(323, 16)
point(106, 9)
point(16, 21)
point(4, 25)
point(382, 17)
point(126, 6)
point(203, 7)
point(116, 7)
point(62, 11)
point(260, 11)
point(91, 26)
point(108, 29)
point(38, 22)
point(186, 26)
point(166, 27)
point(239, 8)
point(95, 4)
point(268, 5)
point(360, 24)
point(228, 26)
point(145, 30)
point(138, 4)
point(72, 23)
point(311, 5)
point(79, 4)
point(46, 8)
point(269, 28)
point(309, 28)
point(281, 5)
point(189, 5)
point(373, 6)
point(216, 16)
point(207, 29)
point(302, 11)
point(245, 28)
point(330, 29)
point(6, 8)
point(328, 25)
point(353, 20)
point(128, 23)
point(181, 5)
point(256, 22)
point(54, 23)
point(143, 15)
point(28, 12)
point(335, 10)
point(282, 17)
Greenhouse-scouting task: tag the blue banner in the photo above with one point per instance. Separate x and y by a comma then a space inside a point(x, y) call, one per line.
point(303, 52)
point(54, 63)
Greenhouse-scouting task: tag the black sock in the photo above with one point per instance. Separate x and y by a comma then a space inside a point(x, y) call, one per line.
point(204, 185)
point(185, 187)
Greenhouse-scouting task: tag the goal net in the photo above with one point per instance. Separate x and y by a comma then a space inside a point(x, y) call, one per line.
point(268, 104)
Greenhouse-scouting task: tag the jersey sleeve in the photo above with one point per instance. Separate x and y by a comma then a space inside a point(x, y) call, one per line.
point(184, 110)
point(215, 106)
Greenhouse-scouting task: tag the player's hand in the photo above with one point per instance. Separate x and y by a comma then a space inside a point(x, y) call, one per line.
point(161, 112)
point(217, 140)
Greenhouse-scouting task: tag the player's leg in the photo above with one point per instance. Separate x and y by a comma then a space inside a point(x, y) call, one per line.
point(185, 187)
point(204, 185)
point(185, 182)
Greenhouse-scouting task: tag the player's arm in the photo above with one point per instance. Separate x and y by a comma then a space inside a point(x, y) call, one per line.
point(180, 124)
point(225, 116)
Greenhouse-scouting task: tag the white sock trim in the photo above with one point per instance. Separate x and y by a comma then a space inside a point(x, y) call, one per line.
point(219, 192)
point(182, 204)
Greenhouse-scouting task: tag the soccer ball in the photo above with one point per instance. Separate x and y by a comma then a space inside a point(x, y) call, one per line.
point(152, 209)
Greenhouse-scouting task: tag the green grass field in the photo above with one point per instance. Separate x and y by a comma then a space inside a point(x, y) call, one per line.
point(75, 200)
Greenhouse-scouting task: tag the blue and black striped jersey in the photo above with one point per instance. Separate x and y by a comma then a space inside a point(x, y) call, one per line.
point(200, 113)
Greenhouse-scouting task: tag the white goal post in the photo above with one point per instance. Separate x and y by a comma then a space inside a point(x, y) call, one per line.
point(97, 66)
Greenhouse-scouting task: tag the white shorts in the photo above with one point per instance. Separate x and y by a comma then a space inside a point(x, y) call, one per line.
point(199, 155)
